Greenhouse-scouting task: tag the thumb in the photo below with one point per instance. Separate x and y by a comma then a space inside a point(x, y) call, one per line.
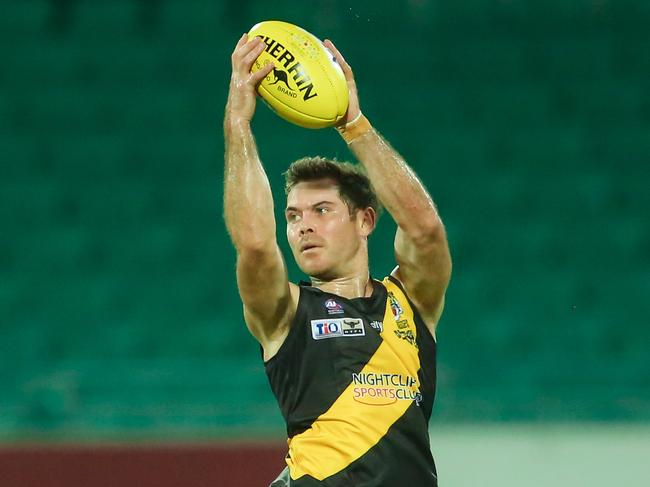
point(262, 73)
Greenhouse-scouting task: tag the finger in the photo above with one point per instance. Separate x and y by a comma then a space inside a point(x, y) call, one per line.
point(254, 53)
point(258, 76)
point(240, 42)
point(338, 56)
point(242, 51)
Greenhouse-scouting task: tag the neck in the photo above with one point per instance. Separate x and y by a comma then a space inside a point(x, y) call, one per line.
point(356, 286)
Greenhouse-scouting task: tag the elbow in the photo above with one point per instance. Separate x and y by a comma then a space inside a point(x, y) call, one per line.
point(428, 230)
point(254, 246)
point(250, 238)
point(433, 226)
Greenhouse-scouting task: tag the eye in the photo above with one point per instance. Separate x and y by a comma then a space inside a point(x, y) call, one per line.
point(321, 210)
point(293, 217)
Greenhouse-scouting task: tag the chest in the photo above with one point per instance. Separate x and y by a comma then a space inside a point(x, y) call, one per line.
point(343, 335)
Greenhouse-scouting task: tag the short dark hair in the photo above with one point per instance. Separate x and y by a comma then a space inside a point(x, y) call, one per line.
point(354, 186)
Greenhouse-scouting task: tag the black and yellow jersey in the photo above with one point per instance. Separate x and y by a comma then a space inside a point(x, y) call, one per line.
point(355, 381)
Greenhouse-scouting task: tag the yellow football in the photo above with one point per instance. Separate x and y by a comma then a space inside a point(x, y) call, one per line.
point(307, 86)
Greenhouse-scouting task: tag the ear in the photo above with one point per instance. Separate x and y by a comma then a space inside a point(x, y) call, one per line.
point(366, 221)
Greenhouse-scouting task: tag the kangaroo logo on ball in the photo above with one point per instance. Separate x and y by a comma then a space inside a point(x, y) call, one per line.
point(280, 76)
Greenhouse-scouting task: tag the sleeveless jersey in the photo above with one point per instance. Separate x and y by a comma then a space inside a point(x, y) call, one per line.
point(355, 381)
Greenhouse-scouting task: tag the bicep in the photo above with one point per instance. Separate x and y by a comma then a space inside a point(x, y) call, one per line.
point(424, 269)
point(265, 292)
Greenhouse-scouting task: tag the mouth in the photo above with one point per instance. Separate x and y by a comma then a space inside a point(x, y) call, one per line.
point(307, 247)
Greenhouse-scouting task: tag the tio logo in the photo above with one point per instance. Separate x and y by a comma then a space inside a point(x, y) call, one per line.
point(325, 329)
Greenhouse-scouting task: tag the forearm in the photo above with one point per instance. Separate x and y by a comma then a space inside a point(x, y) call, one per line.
point(396, 184)
point(248, 201)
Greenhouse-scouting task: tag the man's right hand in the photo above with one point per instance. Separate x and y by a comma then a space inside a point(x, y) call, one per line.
point(243, 83)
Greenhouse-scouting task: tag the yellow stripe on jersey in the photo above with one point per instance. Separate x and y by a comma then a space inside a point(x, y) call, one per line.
point(375, 399)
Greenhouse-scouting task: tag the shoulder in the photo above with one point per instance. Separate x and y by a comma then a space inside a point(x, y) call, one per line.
point(429, 314)
point(306, 301)
point(271, 343)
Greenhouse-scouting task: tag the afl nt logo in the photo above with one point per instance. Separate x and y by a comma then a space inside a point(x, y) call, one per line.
point(333, 308)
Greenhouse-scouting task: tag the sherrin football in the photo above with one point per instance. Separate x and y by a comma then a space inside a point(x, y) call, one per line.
point(307, 86)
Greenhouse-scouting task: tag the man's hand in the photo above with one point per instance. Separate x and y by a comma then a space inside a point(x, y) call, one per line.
point(353, 97)
point(243, 83)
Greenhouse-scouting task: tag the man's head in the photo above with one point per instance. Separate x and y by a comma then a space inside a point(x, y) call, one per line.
point(331, 210)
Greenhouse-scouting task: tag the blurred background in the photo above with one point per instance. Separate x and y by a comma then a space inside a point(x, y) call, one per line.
point(124, 359)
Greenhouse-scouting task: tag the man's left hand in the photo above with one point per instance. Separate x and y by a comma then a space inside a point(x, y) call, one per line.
point(353, 97)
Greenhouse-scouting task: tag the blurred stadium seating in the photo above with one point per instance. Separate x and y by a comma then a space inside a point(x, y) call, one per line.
point(529, 122)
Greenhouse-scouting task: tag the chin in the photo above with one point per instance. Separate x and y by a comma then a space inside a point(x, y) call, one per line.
point(312, 269)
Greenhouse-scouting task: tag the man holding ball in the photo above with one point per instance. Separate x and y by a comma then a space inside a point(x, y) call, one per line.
point(350, 359)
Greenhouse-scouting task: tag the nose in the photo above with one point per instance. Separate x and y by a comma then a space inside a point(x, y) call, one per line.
point(306, 225)
point(304, 229)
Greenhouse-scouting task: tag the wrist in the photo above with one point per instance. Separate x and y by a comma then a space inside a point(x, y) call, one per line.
point(233, 122)
point(354, 129)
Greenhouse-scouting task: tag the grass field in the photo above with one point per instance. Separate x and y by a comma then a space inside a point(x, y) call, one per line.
point(542, 455)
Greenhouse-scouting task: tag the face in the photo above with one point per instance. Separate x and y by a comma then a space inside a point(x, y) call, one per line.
point(324, 238)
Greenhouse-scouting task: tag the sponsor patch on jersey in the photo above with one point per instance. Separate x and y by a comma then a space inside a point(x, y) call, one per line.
point(333, 308)
point(353, 327)
point(377, 325)
point(337, 327)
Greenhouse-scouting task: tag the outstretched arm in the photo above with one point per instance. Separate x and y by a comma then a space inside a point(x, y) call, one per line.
point(248, 209)
point(421, 248)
